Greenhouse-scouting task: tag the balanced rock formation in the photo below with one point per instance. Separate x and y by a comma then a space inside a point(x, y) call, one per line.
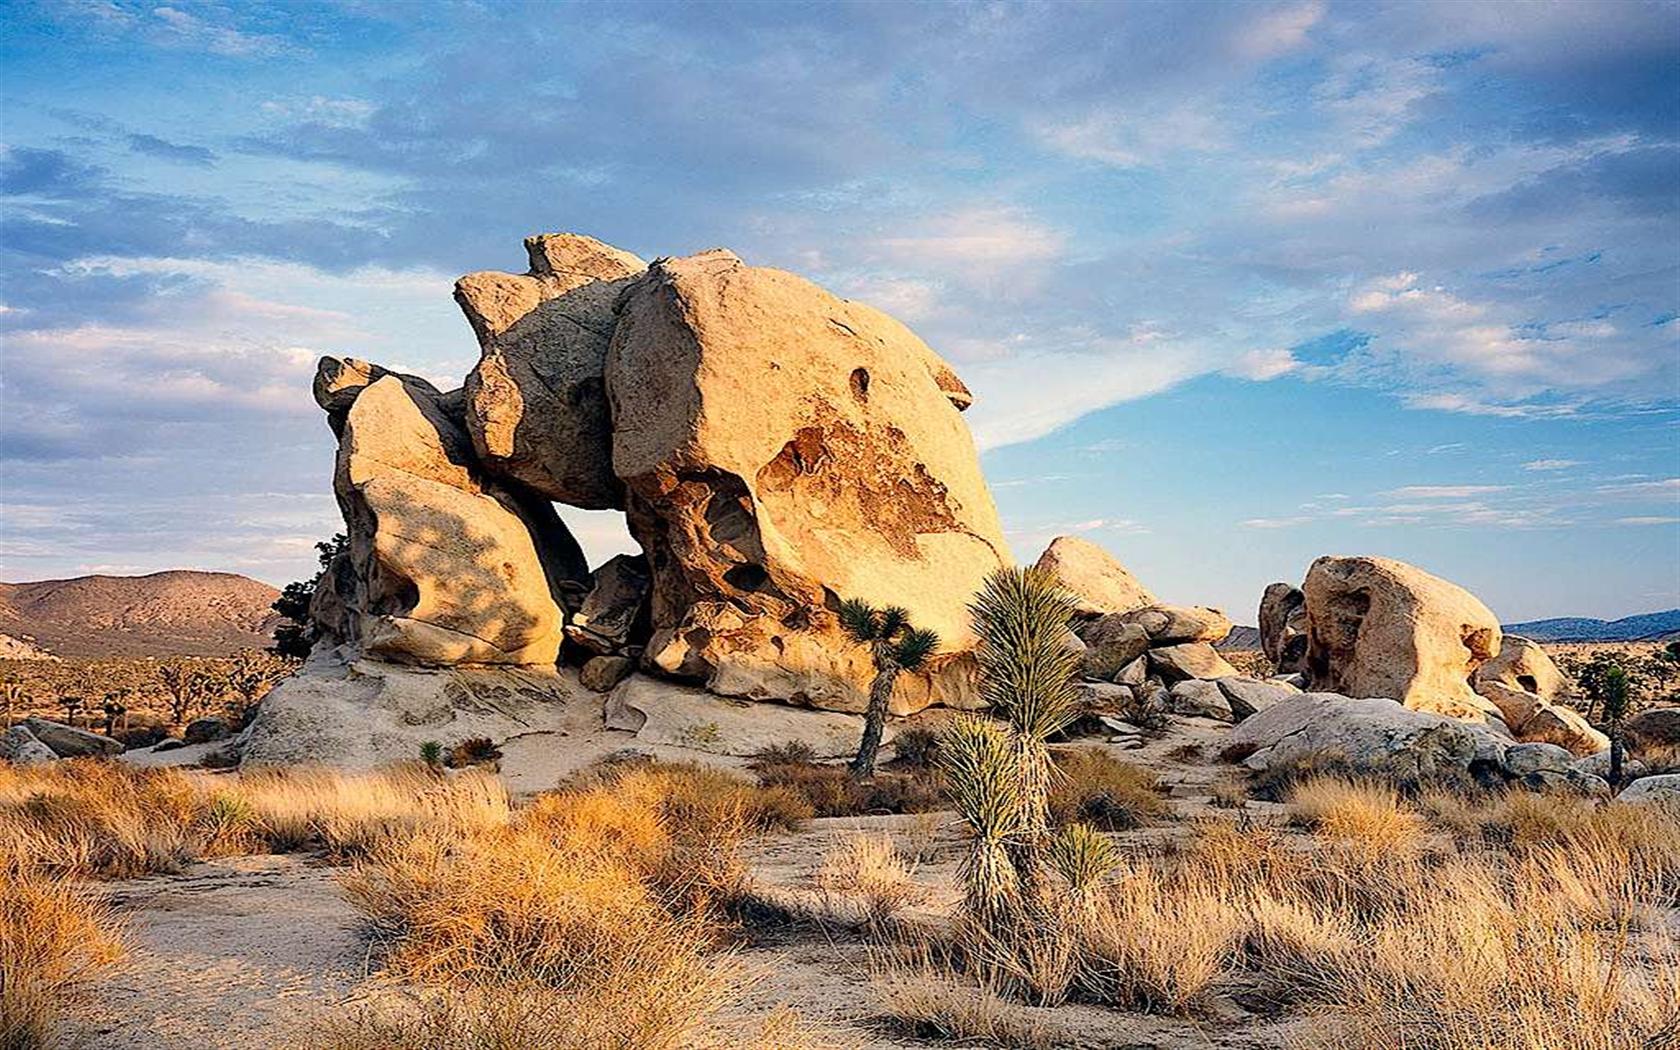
point(1382, 628)
point(445, 566)
point(1527, 688)
point(1522, 664)
point(783, 450)
point(1098, 582)
point(537, 401)
point(1283, 627)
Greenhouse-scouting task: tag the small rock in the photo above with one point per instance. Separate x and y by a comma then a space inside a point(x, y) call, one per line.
point(603, 673)
point(1169, 624)
point(1522, 759)
point(1119, 727)
point(1175, 663)
point(204, 730)
point(1205, 699)
point(1133, 674)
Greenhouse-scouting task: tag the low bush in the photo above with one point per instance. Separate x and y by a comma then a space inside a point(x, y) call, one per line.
point(830, 792)
point(55, 941)
point(864, 881)
point(1094, 787)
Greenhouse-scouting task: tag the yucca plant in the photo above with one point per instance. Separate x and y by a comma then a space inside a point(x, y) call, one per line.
point(894, 645)
point(1084, 857)
point(1615, 696)
point(981, 765)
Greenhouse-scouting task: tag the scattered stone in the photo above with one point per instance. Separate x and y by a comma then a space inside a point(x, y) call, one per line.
point(1133, 674)
point(1111, 645)
point(1175, 663)
point(1382, 628)
point(21, 748)
point(1598, 765)
point(69, 742)
point(1204, 699)
point(1249, 696)
point(1522, 759)
point(1172, 624)
point(204, 730)
point(1098, 582)
point(603, 673)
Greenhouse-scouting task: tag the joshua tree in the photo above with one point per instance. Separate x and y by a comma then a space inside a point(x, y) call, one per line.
point(12, 694)
point(296, 637)
point(895, 646)
point(72, 707)
point(1615, 700)
point(253, 674)
point(187, 685)
point(115, 709)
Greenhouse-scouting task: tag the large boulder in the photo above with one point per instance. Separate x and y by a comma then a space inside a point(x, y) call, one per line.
point(70, 742)
point(446, 566)
point(1654, 791)
point(1563, 726)
point(1283, 627)
point(1174, 663)
point(670, 715)
point(1382, 628)
point(1097, 581)
point(536, 402)
point(1249, 696)
point(20, 747)
point(1522, 664)
point(1111, 644)
point(782, 450)
point(1654, 736)
point(1368, 731)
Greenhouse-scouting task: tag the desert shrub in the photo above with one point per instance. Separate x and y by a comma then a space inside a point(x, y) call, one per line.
point(55, 942)
point(916, 747)
point(933, 1000)
point(865, 881)
point(829, 792)
point(473, 751)
point(94, 818)
point(1274, 783)
point(793, 751)
point(1094, 787)
point(1363, 815)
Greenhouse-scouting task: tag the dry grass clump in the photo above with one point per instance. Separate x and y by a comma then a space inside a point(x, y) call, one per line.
point(1094, 787)
point(864, 881)
point(929, 1000)
point(54, 943)
point(1362, 815)
point(110, 820)
point(828, 791)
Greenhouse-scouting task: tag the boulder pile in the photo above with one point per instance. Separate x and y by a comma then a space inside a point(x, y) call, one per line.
point(774, 448)
point(35, 741)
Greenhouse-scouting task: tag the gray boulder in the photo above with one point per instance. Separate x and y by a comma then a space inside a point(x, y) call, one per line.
point(19, 747)
point(1522, 759)
point(1375, 732)
point(70, 742)
point(1654, 791)
point(1111, 644)
point(1249, 696)
point(602, 673)
point(1175, 663)
point(1198, 698)
point(614, 613)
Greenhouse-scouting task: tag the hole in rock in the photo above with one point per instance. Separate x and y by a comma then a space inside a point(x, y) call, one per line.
point(860, 384)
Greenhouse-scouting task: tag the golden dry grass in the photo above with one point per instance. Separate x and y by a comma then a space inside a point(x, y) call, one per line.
point(930, 1000)
point(54, 942)
point(1093, 787)
point(865, 881)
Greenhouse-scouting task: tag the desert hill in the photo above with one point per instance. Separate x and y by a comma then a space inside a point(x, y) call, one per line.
point(1654, 626)
point(175, 613)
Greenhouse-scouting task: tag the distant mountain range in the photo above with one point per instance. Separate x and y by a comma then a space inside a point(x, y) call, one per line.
point(175, 613)
point(1656, 626)
point(1646, 627)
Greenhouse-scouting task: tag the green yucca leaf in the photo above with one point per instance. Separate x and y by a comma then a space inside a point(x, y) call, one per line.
point(978, 756)
point(1027, 667)
point(914, 647)
point(893, 619)
point(859, 619)
point(1083, 856)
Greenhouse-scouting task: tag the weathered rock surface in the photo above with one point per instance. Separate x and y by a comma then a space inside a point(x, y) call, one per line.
point(603, 673)
point(1654, 735)
point(1371, 731)
point(1249, 696)
point(1565, 727)
point(536, 402)
point(660, 713)
point(1522, 664)
point(1199, 698)
point(1111, 644)
point(1283, 627)
point(783, 449)
point(614, 613)
point(1661, 790)
point(204, 730)
point(20, 747)
point(446, 566)
point(70, 742)
point(1098, 582)
point(1172, 624)
point(1382, 628)
point(1598, 764)
point(1174, 663)
point(1521, 759)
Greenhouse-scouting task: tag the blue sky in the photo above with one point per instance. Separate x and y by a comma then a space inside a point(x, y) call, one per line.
point(1235, 284)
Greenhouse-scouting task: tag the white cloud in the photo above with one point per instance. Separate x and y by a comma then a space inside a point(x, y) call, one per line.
point(1275, 523)
point(989, 238)
point(1261, 365)
point(1278, 30)
point(1444, 491)
point(1651, 519)
point(1643, 489)
point(1551, 464)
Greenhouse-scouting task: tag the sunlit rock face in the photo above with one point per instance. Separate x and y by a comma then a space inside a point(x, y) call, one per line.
point(445, 566)
point(783, 449)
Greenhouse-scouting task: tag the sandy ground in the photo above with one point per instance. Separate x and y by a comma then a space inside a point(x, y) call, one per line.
point(244, 953)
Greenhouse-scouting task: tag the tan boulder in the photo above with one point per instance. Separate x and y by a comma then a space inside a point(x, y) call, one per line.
point(1522, 664)
point(1175, 663)
point(1098, 582)
point(536, 402)
point(1170, 624)
point(1654, 735)
point(1516, 706)
point(447, 566)
point(1382, 628)
point(783, 450)
point(1565, 727)
point(1283, 627)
